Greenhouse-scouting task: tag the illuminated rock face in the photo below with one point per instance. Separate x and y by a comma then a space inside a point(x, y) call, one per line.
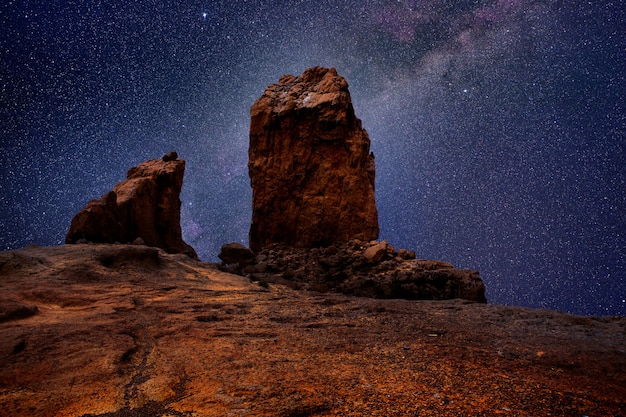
point(310, 166)
point(145, 207)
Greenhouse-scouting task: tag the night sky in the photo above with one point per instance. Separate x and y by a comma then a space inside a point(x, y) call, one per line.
point(499, 127)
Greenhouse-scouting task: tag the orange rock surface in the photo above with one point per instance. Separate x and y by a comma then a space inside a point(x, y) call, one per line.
point(117, 330)
point(310, 165)
point(146, 206)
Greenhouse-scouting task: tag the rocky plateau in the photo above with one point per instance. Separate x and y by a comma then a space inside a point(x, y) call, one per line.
point(130, 330)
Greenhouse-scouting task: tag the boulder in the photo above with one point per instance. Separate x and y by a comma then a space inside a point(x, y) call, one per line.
point(235, 253)
point(310, 166)
point(143, 208)
point(376, 252)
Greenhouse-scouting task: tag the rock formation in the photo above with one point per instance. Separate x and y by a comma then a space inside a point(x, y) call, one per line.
point(313, 206)
point(366, 269)
point(235, 253)
point(144, 208)
point(310, 165)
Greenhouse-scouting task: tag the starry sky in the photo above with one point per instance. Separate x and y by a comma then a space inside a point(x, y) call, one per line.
point(498, 126)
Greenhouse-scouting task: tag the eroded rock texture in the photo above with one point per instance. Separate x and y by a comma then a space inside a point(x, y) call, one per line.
point(129, 331)
point(310, 165)
point(366, 269)
point(145, 208)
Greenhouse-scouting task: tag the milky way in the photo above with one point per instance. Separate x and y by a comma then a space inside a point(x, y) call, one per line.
point(498, 126)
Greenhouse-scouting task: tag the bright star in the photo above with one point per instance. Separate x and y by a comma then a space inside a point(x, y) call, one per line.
point(205, 15)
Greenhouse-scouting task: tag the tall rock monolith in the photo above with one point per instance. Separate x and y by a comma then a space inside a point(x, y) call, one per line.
point(310, 166)
point(145, 207)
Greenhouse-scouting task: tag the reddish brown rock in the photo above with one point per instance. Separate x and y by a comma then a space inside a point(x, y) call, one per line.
point(376, 252)
point(310, 165)
point(116, 334)
point(146, 205)
point(234, 252)
point(366, 269)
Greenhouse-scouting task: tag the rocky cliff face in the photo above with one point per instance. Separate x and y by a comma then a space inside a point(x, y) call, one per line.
point(145, 207)
point(310, 165)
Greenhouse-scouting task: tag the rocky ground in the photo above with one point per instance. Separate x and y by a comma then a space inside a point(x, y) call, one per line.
point(115, 330)
point(367, 269)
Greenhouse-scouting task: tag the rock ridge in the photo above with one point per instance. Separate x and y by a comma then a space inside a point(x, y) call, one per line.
point(367, 269)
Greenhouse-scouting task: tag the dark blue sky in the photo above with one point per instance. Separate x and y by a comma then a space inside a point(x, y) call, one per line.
point(498, 126)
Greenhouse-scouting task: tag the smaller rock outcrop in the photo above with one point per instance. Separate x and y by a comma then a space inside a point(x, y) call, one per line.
point(366, 269)
point(145, 208)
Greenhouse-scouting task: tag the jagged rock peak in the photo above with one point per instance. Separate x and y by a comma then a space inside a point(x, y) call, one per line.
point(143, 208)
point(316, 87)
point(310, 166)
